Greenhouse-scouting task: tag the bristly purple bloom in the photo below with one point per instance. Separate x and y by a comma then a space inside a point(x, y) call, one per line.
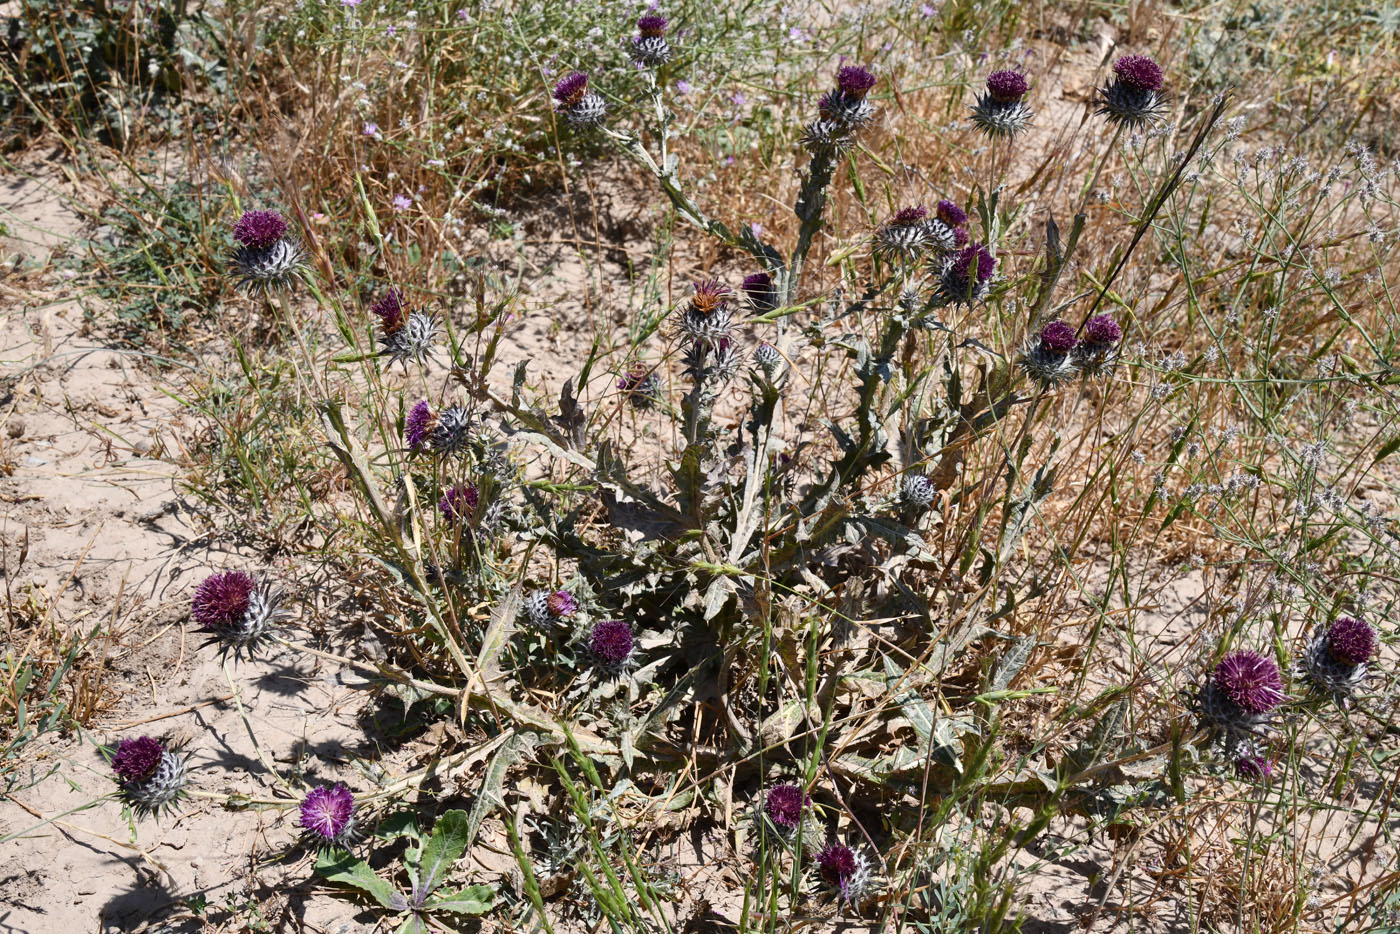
point(259, 229)
point(418, 425)
point(459, 503)
point(1007, 86)
point(1250, 680)
point(758, 289)
point(150, 777)
point(562, 604)
point(265, 258)
point(1001, 110)
point(1097, 353)
point(845, 870)
point(1351, 640)
point(544, 609)
point(784, 805)
point(612, 644)
point(950, 213)
point(406, 334)
point(649, 47)
point(1058, 337)
point(1336, 661)
point(855, 80)
point(328, 815)
point(905, 236)
point(222, 599)
point(240, 614)
point(966, 277)
point(1102, 329)
point(391, 310)
point(1254, 766)
point(640, 386)
point(1134, 96)
point(1139, 72)
point(580, 105)
point(136, 759)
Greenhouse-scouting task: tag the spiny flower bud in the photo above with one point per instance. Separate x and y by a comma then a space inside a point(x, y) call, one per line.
point(649, 47)
point(917, 491)
point(707, 316)
point(845, 870)
point(904, 236)
point(580, 105)
point(612, 644)
point(406, 334)
point(544, 608)
point(1335, 661)
point(768, 359)
point(150, 777)
point(784, 805)
point(1134, 96)
point(1001, 110)
point(328, 815)
point(265, 257)
point(966, 276)
point(640, 385)
point(240, 613)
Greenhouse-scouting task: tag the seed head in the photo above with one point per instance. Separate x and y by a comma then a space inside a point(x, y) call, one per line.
point(917, 491)
point(1351, 641)
point(259, 229)
point(1007, 86)
point(611, 643)
point(784, 805)
point(1250, 680)
point(328, 814)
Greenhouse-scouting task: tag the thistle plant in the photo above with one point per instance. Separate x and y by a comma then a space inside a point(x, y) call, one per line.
point(327, 815)
point(240, 613)
point(784, 805)
point(649, 46)
point(1238, 701)
point(580, 105)
point(1133, 98)
point(845, 870)
point(150, 776)
point(406, 335)
point(1335, 660)
point(1001, 111)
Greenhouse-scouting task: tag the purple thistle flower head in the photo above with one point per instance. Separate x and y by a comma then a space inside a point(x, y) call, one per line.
point(391, 310)
point(562, 603)
point(959, 237)
point(135, 759)
point(758, 282)
point(1255, 766)
point(837, 864)
point(907, 217)
point(1252, 681)
point(1351, 640)
point(1139, 73)
point(459, 503)
point(571, 88)
point(974, 259)
point(419, 423)
point(1006, 86)
point(710, 295)
point(611, 641)
point(259, 229)
point(784, 804)
point(855, 81)
point(1102, 329)
point(652, 25)
point(1058, 337)
point(950, 213)
point(223, 598)
point(326, 811)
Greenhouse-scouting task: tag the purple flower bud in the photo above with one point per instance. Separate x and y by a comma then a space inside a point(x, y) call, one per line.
point(855, 81)
point(976, 253)
point(1058, 337)
point(459, 503)
point(562, 603)
point(784, 805)
point(1250, 680)
point(328, 813)
point(259, 229)
point(1139, 73)
point(222, 599)
point(652, 25)
point(611, 642)
point(571, 88)
point(1102, 329)
point(391, 311)
point(418, 425)
point(1007, 86)
point(906, 217)
point(1351, 640)
point(844, 869)
point(951, 214)
point(136, 759)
